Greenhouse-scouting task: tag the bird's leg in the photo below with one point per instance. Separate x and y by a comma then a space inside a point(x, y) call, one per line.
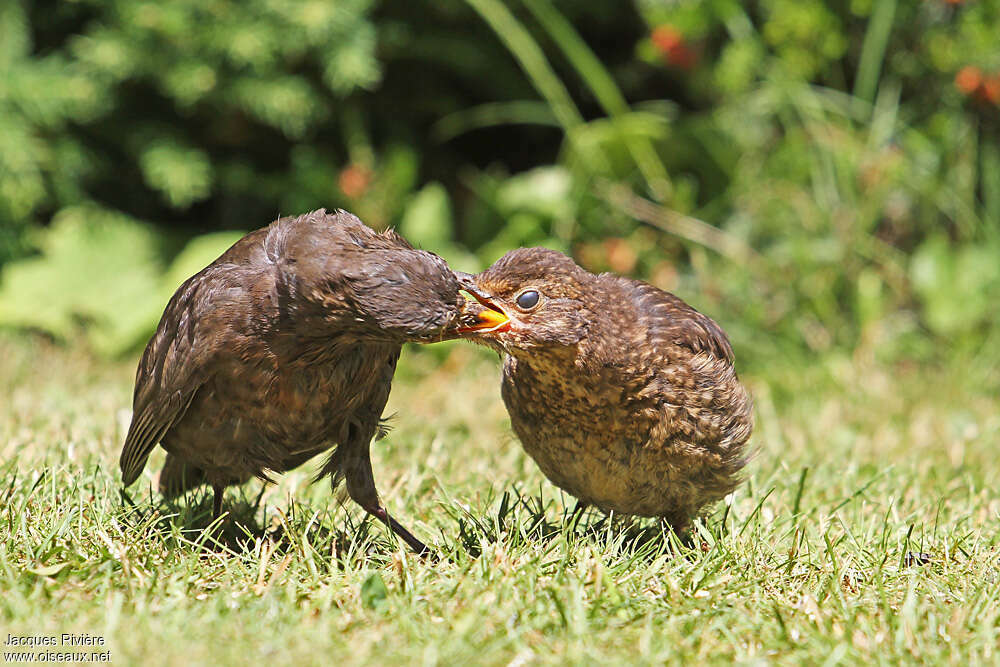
point(256, 503)
point(361, 487)
point(419, 547)
point(577, 513)
point(217, 502)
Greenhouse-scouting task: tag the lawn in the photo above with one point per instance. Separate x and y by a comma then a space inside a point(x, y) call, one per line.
point(866, 531)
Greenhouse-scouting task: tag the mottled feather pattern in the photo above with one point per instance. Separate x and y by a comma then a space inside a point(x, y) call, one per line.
point(624, 395)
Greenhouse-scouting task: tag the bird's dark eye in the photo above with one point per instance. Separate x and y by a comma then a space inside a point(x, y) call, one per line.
point(527, 299)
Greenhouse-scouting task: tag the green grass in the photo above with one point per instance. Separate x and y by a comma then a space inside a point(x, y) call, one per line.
point(859, 465)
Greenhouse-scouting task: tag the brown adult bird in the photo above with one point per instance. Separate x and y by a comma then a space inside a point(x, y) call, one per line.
point(284, 348)
point(624, 395)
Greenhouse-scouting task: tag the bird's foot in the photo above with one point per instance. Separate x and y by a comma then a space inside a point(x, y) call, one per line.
point(418, 547)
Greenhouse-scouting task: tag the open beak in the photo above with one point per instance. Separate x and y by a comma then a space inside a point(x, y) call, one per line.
point(488, 320)
point(482, 314)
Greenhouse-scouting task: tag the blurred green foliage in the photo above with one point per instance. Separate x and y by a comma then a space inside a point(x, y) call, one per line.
point(820, 175)
point(104, 271)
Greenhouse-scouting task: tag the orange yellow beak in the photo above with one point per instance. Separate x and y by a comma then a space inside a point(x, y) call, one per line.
point(490, 318)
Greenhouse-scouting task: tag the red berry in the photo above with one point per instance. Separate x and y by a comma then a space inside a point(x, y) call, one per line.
point(671, 44)
point(968, 79)
point(354, 180)
point(989, 90)
point(666, 37)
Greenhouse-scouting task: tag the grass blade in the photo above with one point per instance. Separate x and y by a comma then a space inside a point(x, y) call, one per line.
point(518, 112)
point(532, 60)
point(873, 50)
point(599, 80)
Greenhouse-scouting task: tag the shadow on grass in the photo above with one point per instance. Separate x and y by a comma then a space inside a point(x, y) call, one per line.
point(528, 520)
point(522, 522)
point(186, 522)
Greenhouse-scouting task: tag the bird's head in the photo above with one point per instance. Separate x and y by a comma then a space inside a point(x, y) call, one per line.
point(338, 277)
point(406, 295)
point(531, 300)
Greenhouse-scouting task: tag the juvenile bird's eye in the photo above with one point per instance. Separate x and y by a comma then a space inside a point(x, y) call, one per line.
point(527, 299)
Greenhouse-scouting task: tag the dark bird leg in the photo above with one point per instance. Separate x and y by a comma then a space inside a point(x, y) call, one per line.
point(217, 503)
point(256, 503)
point(577, 513)
point(361, 487)
point(418, 547)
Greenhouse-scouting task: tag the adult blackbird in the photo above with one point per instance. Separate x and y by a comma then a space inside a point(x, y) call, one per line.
point(624, 395)
point(284, 348)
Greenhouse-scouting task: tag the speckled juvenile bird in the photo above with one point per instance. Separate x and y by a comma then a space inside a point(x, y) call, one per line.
point(284, 348)
point(624, 395)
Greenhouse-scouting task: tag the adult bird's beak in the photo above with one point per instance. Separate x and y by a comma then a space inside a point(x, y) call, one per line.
point(481, 313)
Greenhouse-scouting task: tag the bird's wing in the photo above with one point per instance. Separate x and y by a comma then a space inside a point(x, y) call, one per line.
point(179, 359)
point(675, 322)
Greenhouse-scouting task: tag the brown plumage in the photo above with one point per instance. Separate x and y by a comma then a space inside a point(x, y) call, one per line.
point(284, 348)
point(624, 395)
